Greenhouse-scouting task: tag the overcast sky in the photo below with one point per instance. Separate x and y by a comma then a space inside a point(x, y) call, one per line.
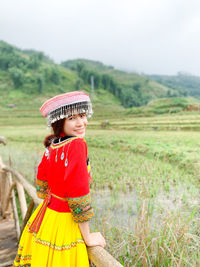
point(150, 36)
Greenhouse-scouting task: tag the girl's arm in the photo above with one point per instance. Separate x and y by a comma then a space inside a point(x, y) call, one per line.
point(91, 239)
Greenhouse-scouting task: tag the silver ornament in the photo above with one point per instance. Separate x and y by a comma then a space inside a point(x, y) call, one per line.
point(66, 162)
point(47, 152)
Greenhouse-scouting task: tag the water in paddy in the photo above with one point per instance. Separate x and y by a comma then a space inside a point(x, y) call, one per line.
point(117, 208)
point(121, 209)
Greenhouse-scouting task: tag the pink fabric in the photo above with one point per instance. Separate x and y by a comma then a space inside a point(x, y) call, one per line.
point(63, 100)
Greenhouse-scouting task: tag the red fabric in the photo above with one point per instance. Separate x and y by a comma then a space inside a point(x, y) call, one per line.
point(65, 181)
point(76, 175)
point(35, 226)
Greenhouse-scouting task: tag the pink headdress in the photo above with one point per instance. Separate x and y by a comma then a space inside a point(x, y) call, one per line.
point(65, 105)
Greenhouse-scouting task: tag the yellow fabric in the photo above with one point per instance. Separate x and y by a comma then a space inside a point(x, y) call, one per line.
point(58, 243)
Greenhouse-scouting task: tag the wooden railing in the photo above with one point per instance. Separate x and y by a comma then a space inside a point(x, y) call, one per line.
point(10, 179)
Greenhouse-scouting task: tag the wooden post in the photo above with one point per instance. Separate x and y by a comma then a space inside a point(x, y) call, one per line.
point(28, 187)
point(9, 196)
point(3, 140)
point(101, 258)
point(14, 205)
point(6, 264)
point(4, 187)
point(22, 199)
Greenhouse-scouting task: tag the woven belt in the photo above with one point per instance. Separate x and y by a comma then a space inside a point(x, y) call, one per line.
point(61, 198)
point(35, 226)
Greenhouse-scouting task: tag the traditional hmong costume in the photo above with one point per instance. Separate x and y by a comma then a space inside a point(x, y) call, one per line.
point(52, 237)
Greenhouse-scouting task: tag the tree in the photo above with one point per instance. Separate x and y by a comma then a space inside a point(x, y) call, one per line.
point(79, 68)
point(4, 61)
point(55, 76)
point(40, 82)
point(113, 87)
point(97, 80)
point(17, 76)
point(136, 87)
point(5, 48)
point(106, 81)
point(78, 84)
point(85, 75)
point(34, 62)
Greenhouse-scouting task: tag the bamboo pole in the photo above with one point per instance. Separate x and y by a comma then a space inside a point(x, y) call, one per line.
point(14, 205)
point(6, 179)
point(28, 187)
point(3, 140)
point(4, 187)
point(22, 199)
point(101, 258)
point(6, 264)
point(9, 196)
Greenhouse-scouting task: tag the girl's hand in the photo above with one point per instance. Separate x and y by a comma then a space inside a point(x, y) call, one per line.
point(95, 239)
point(91, 239)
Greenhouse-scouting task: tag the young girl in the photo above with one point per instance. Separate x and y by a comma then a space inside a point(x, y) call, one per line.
point(58, 231)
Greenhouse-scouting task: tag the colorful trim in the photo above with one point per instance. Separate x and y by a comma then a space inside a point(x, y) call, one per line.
point(81, 208)
point(24, 265)
point(54, 146)
point(83, 217)
point(19, 257)
point(59, 248)
point(41, 188)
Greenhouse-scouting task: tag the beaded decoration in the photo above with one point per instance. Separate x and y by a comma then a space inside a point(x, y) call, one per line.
point(65, 105)
point(69, 110)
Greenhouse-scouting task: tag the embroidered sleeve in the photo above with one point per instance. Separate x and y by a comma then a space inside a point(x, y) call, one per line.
point(41, 188)
point(41, 182)
point(77, 179)
point(81, 208)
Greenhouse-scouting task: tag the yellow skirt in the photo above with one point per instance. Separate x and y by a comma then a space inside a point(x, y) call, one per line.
point(58, 243)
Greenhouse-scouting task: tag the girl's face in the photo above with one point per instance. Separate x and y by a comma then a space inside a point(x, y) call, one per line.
point(75, 125)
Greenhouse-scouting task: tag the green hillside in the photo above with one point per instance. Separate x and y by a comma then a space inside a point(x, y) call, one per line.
point(28, 78)
point(32, 73)
point(182, 82)
point(166, 106)
point(132, 89)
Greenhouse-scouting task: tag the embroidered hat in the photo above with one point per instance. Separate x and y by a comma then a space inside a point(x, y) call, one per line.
point(65, 105)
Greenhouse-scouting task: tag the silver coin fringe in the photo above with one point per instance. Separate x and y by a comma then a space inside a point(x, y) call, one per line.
point(69, 110)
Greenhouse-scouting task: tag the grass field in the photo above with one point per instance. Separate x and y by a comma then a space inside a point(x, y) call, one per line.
point(146, 183)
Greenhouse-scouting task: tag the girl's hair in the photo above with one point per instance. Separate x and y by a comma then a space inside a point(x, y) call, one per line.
point(57, 128)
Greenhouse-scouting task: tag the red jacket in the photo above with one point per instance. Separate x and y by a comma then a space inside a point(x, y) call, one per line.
point(64, 171)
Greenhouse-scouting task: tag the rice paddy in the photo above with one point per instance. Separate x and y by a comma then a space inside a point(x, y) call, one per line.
point(146, 182)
